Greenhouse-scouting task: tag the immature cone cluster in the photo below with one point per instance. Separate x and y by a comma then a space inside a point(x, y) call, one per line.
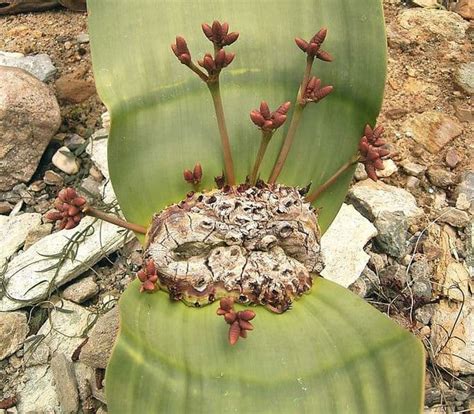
point(314, 92)
point(313, 47)
point(68, 211)
point(148, 277)
point(214, 65)
point(194, 176)
point(239, 321)
point(219, 34)
point(270, 121)
point(371, 150)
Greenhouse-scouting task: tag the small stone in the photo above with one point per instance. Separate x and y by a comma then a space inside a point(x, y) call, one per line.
point(427, 3)
point(37, 233)
point(440, 177)
point(392, 230)
point(377, 261)
point(365, 284)
point(454, 217)
point(464, 77)
point(360, 174)
point(73, 90)
point(452, 158)
point(39, 65)
point(66, 385)
point(413, 183)
point(106, 121)
point(390, 168)
point(66, 163)
point(29, 118)
point(421, 289)
point(53, 178)
point(73, 141)
point(394, 275)
point(464, 113)
point(466, 187)
point(342, 246)
point(456, 282)
point(96, 174)
point(91, 186)
point(36, 352)
point(413, 169)
point(425, 313)
point(96, 352)
point(5, 207)
point(462, 202)
point(82, 38)
point(465, 8)
point(37, 394)
point(37, 186)
point(13, 331)
point(81, 291)
point(433, 130)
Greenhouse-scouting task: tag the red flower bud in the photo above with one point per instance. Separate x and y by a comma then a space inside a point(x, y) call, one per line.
point(197, 173)
point(265, 110)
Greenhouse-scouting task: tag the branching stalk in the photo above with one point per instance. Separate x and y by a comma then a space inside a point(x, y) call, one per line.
point(91, 211)
point(266, 136)
point(321, 189)
point(221, 123)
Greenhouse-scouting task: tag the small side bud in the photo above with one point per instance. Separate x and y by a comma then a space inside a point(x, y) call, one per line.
point(372, 152)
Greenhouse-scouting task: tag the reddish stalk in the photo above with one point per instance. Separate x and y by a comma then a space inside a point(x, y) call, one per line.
point(266, 136)
point(221, 123)
point(91, 211)
point(322, 188)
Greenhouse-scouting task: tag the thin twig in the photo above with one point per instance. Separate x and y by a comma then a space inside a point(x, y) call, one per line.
point(91, 211)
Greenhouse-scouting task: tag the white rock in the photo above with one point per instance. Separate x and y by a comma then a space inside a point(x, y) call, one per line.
point(97, 149)
point(13, 233)
point(390, 169)
point(13, 331)
point(106, 121)
point(66, 163)
point(430, 4)
point(39, 66)
point(462, 202)
point(413, 169)
point(360, 174)
point(82, 38)
point(374, 198)
point(342, 246)
point(24, 278)
point(38, 393)
point(81, 291)
point(36, 352)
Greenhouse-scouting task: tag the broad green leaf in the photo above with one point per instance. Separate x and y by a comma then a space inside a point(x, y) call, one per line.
point(162, 115)
point(332, 353)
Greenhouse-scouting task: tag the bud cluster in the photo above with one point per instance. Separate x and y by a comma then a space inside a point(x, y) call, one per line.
point(214, 65)
point(219, 34)
point(195, 176)
point(239, 321)
point(68, 207)
point(181, 51)
point(148, 277)
point(313, 47)
point(372, 151)
point(314, 92)
point(270, 121)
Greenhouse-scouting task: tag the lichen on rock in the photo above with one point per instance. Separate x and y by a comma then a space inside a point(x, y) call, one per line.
point(259, 245)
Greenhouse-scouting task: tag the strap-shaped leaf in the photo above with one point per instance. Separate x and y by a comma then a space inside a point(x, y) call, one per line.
point(332, 353)
point(162, 115)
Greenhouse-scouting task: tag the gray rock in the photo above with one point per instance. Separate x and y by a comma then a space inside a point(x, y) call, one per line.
point(466, 187)
point(421, 289)
point(91, 186)
point(36, 352)
point(85, 376)
point(464, 77)
point(440, 177)
point(342, 246)
point(395, 275)
point(65, 160)
point(367, 283)
point(82, 38)
point(454, 217)
point(26, 280)
point(96, 352)
point(360, 174)
point(374, 198)
point(14, 231)
point(420, 270)
point(97, 149)
point(13, 331)
point(39, 66)
point(413, 169)
point(66, 385)
point(81, 291)
point(425, 313)
point(37, 394)
point(29, 118)
point(392, 233)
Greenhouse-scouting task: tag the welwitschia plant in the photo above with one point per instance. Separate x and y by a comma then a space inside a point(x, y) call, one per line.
point(234, 214)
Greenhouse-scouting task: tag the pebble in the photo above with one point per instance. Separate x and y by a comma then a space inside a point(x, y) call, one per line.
point(464, 77)
point(53, 178)
point(5, 207)
point(73, 141)
point(66, 163)
point(392, 230)
point(96, 352)
point(454, 217)
point(29, 118)
point(452, 158)
point(465, 8)
point(343, 246)
point(466, 187)
point(82, 38)
point(13, 331)
point(36, 234)
point(360, 174)
point(73, 90)
point(66, 384)
point(91, 186)
point(413, 169)
point(40, 66)
point(82, 290)
point(439, 177)
point(412, 183)
point(390, 168)
point(462, 202)
point(433, 130)
point(425, 313)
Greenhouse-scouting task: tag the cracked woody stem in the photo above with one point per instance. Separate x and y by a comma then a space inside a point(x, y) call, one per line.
point(231, 153)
